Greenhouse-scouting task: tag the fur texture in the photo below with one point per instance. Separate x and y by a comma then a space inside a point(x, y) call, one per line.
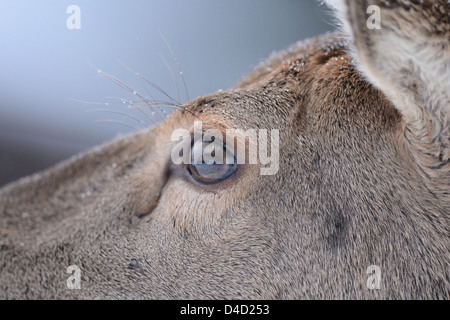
point(363, 180)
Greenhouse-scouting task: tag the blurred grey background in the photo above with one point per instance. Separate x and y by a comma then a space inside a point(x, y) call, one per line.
point(46, 68)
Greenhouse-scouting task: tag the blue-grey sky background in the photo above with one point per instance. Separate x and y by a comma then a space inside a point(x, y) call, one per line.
point(45, 66)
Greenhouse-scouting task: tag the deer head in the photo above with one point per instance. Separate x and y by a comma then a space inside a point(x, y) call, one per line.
point(356, 129)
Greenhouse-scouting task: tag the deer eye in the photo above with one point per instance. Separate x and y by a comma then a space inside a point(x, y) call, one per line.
point(209, 163)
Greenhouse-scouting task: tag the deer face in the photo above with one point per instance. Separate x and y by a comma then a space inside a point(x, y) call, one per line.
point(358, 128)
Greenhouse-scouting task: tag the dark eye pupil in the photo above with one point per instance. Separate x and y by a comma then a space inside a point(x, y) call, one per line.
point(213, 172)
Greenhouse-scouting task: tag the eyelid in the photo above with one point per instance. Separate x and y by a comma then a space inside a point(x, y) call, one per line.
point(211, 126)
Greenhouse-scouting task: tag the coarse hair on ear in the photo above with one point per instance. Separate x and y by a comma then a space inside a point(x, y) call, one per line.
point(403, 48)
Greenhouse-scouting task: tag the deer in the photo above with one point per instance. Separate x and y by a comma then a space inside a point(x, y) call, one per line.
point(358, 208)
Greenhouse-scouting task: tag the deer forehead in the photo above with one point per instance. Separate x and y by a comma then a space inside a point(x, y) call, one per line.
point(314, 85)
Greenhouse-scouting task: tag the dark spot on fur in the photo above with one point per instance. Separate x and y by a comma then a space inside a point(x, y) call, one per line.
point(135, 265)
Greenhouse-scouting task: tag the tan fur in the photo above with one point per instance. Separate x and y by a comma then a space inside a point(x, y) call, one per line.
point(353, 189)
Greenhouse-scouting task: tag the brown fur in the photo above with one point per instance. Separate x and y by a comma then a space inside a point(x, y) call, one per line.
point(350, 192)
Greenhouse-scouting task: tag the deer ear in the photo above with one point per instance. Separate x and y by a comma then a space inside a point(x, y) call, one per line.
point(403, 48)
